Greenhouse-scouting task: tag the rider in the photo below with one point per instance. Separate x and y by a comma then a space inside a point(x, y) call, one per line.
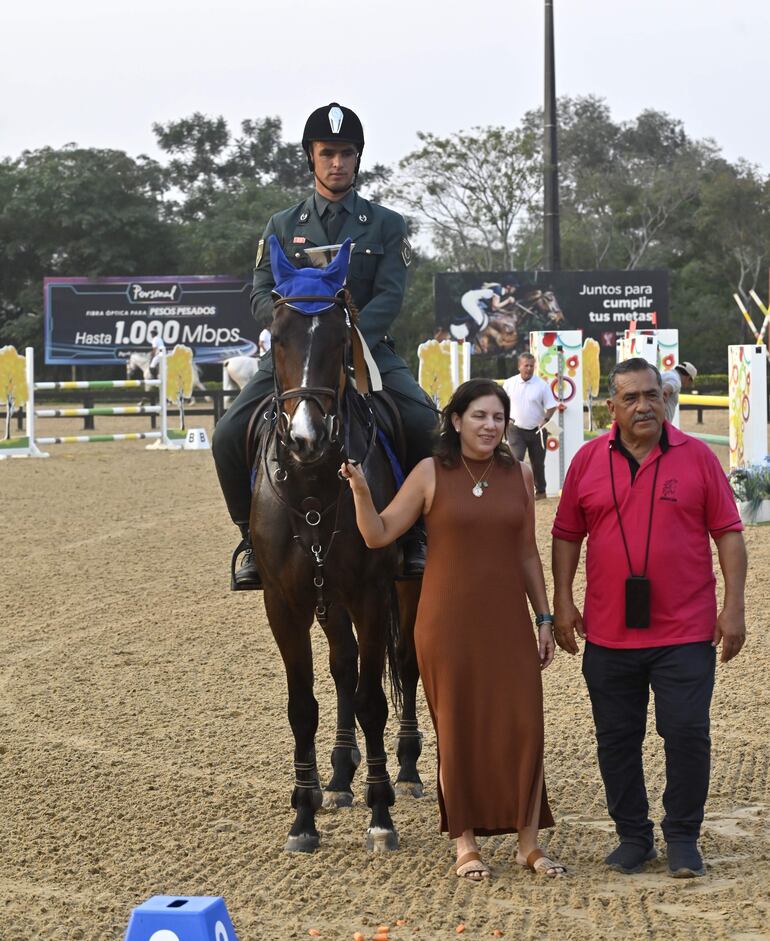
point(333, 141)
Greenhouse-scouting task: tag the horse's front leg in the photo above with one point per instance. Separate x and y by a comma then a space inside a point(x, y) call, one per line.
point(409, 738)
point(343, 663)
point(373, 624)
point(291, 630)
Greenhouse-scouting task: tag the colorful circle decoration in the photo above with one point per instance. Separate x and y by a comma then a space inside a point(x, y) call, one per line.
point(735, 372)
point(745, 407)
point(569, 388)
point(572, 362)
point(552, 444)
point(549, 339)
point(668, 361)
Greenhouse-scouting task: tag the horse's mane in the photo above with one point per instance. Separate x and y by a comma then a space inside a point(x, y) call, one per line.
point(352, 309)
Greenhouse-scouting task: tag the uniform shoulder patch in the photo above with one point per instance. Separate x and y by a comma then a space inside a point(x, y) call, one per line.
point(406, 251)
point(260, 252)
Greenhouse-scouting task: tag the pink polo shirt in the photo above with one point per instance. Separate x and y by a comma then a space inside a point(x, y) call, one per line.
point(692, 501)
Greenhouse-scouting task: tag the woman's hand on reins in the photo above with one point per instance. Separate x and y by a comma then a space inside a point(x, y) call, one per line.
point(355, 476)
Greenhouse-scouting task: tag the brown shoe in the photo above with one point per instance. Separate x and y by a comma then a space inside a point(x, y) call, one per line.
point(541, 496)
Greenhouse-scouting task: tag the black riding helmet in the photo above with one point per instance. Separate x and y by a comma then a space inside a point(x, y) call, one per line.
point(333, 122)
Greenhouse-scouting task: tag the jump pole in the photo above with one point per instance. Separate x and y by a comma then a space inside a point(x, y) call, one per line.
point(31, 449)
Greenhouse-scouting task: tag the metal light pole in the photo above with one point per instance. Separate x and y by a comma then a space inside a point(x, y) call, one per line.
point(551, 236)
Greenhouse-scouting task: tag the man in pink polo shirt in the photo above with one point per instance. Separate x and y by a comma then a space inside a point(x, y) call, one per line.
point(648, 497)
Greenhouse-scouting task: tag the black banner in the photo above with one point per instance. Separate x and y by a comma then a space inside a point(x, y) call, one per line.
point(104, 321)
point(497, 310)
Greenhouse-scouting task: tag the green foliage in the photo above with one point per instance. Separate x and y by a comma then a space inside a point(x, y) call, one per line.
point(473, 190)
point(71, 212)
point(601, 416)
point(751, 485)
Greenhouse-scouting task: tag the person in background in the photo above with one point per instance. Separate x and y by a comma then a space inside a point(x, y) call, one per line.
point(650, 616)
point(264, 342)
point(682, 376)
point(481, 674)
point(532, 405)
point(157, 350)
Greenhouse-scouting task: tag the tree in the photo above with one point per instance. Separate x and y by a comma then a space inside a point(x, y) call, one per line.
point(72, 212)
point(472, 191)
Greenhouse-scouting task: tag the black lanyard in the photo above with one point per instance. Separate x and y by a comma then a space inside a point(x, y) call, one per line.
point(620, 521)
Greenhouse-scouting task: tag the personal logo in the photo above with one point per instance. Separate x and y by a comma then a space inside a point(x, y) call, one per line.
point(304, 216)
point(260, 253)
point(668, 492)
point(406, 251)
point(363, 217)
point(336, 118)
point(154, 293)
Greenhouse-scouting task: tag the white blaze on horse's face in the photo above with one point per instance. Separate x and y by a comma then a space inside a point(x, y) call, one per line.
point(301, 425)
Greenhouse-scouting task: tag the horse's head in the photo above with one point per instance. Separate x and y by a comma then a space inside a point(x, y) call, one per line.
point(547, 304)
point(310, 334)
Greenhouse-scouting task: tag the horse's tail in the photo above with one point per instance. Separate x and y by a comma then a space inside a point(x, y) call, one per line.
point(392, 635)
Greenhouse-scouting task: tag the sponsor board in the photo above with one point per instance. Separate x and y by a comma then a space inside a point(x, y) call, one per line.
point(103, 321)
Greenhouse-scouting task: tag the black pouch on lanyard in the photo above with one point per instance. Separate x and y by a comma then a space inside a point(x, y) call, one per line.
point(637, 601)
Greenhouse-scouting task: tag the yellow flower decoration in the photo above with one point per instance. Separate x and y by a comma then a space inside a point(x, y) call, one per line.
point(435, 370)
point(590, 368)
point(13, 376)
point(179, 373)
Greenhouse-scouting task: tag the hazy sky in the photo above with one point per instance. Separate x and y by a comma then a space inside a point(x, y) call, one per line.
point(99, 73)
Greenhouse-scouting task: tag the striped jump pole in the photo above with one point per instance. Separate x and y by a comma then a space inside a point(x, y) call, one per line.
point(29, 447)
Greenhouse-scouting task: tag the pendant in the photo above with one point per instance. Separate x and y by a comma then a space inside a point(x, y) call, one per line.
point(478, 491)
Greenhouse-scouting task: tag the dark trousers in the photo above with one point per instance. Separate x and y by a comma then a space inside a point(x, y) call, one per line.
point(522, 441)
point(229, 442)
point(619, 682)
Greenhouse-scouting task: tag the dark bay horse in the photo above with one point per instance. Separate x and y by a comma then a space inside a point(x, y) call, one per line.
point(312, 559)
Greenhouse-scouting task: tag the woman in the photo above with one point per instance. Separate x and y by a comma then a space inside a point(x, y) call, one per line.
point(479, 663)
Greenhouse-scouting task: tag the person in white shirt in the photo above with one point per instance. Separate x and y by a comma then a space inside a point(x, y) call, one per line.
point(532, 405)
point(264, 341)
point(157, 349)
point(682, 376)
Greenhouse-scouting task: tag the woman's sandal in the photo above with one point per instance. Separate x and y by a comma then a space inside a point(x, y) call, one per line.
point(471, 866)
point(541, 864)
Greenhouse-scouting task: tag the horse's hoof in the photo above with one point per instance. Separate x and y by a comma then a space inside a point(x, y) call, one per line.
point(304, 843)
point(381, 841)
point(336, 799)
point(409, 789)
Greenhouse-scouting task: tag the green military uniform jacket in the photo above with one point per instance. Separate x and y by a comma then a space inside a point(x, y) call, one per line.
point(377, 275)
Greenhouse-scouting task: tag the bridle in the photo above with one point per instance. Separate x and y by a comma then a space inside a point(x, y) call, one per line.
point(330, 416)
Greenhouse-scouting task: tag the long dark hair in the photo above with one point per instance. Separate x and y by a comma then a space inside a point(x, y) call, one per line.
point(448, 448)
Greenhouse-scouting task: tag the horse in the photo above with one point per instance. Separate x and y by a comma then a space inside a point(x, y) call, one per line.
point(238, 371)
point(139, 364)
point(313, 561)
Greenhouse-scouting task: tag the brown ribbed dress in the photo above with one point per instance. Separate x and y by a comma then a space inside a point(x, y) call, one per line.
point(478, 655)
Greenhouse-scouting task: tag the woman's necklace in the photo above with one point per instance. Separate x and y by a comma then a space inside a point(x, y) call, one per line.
point(478, 485)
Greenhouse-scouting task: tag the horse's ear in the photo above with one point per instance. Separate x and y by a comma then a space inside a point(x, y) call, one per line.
point(280, 264)
point(338, 268)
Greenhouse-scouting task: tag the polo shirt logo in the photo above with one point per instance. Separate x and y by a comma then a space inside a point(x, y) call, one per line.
point(669, 490)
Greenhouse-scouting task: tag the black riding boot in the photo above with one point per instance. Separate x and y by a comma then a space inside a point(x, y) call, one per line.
point(246, 577)
point(414, 547)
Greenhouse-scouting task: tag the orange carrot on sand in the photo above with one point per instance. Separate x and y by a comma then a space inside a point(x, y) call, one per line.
point(460, 928)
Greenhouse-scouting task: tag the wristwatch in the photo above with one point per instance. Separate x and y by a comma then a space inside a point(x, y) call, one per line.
point(543, 619)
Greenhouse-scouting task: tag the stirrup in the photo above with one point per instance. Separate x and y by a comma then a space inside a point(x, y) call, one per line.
point(253, 585)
